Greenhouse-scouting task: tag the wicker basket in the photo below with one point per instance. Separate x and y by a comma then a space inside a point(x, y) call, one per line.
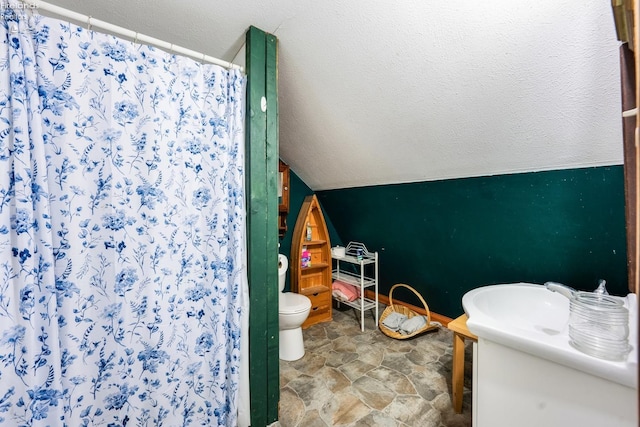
point(401, 309)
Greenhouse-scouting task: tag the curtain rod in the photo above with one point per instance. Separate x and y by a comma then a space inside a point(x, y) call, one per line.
point(133, 35)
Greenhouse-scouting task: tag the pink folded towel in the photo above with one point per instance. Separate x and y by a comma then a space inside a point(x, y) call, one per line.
point(345, 291)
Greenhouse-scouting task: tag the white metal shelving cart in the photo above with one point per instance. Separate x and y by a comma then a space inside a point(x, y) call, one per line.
point(367, 262)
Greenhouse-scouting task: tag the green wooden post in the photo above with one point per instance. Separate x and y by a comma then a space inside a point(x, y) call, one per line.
point(273, 150)
point(262, 226)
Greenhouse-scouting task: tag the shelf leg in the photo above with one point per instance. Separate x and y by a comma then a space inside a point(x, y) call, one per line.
point(375, 287)
point(361, 296)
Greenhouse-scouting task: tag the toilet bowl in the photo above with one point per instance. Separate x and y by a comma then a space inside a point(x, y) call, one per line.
point(293, 310)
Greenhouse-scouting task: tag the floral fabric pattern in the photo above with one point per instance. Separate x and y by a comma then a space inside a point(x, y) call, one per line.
point(122, 227)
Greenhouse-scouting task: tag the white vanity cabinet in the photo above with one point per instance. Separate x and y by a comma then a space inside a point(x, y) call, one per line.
point(364, 276)
point(514, 388)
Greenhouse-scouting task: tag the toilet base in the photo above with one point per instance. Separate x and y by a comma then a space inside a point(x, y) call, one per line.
point(291, 344)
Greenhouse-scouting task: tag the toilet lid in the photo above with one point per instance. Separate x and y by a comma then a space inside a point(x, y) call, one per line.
point(291, 303)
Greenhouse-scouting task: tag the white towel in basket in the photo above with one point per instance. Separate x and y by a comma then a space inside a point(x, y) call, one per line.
point(409, 326)
point(394, 320)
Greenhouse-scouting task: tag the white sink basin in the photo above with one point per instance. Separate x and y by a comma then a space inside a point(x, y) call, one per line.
point(532, 319)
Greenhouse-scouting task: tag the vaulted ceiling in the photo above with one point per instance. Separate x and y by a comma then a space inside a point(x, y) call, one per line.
point(382, 92)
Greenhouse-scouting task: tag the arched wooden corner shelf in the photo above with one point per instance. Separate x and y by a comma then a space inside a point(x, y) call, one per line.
point(315, 280)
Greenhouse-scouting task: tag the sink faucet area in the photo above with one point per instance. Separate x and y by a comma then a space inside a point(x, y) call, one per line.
point(524, 361)
point(560, 288)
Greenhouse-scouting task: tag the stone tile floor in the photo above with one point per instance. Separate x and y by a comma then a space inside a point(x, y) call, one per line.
point(353, 378)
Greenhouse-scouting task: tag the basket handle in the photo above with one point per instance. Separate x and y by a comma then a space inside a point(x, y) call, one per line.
point(398, 285)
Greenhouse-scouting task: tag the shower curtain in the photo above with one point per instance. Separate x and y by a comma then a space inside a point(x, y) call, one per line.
point(122, 227)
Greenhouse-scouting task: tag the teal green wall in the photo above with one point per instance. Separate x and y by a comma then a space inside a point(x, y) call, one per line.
point(446, 237)
point(298, 190)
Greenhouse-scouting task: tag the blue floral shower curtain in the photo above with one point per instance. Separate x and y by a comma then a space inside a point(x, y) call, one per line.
point(122, 261)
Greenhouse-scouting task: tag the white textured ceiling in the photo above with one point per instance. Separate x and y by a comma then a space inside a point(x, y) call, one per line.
point(382, 92)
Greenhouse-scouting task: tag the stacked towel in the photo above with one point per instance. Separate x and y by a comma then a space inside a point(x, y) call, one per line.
point(412, 325)
point(394, 320)
point(344, 291)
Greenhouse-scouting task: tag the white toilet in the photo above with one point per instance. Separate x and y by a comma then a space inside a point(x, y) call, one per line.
point(293, 310)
